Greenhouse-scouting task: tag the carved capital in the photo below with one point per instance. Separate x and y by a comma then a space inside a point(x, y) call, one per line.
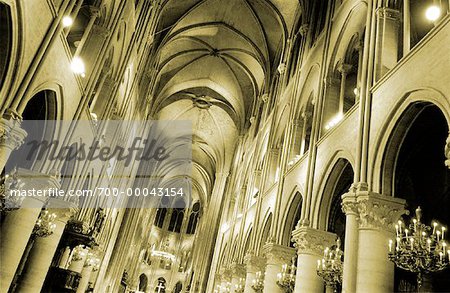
point(281, 68)
point(62, 208)
point(225, 274)
point(388, 13)
point(447, 151)
point(265, 98)
point(253, 263)
point(349, 204)
point(277, 254)
point(11, 134)
point(312, 241)
point(304, 28)
point(378, 211)
point(238, 270)
point(344, 68)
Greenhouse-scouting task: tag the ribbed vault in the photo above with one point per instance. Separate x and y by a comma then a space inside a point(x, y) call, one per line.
point(213, 59)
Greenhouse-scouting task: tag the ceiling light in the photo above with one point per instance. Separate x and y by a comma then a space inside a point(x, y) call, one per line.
point(225, 227)
point(67, 21)
point(433, 13)
point(77, 66)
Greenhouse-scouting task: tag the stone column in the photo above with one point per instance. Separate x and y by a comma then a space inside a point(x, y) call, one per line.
point(44, 248)
point(310, 246)
point(387, 40)
point(406, 27)
point(11, 138)
point(238, 273)
point(350, 209)
point(344, 69)
point(276, 256)
point(18, 225)
point(253, 264)
point(377, 213)
point(85, 277)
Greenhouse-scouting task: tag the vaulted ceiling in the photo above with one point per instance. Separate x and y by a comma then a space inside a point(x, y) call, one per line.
point(213, 60)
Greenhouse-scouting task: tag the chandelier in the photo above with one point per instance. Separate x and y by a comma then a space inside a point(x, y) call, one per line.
point(9, 182)
point(420, 249)
point(329, 268)
point(286, 279)
point(239, 287)
point(44, 226)
point(258, 282)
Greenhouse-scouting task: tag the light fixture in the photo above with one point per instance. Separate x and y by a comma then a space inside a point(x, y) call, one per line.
point(163, 254)
point(77, 66)
point(356, 91)
point(433, 13)
point(330, 267)
point(67, 21)
point(224, 227)
point(419, 248)
point(45, 226)
point(334, 121)
point(286, 279)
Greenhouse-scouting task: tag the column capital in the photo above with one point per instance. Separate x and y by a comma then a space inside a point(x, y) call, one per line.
point(312, 241)
point(447, 151)
point(237, 270)
point(62, 208)
point(11, 134)
point(344, 68)
point(253, 263)
point(331, 81)
point(265, 97)
point(388, 13)
point(277, 254)
point(349, 204)
point(303, 30)
point(225, 274)
point(378, 211)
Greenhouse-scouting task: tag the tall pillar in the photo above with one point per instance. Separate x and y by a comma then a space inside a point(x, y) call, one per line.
point(44, 248)
point(18, 225)
point(237, 273)
point(377, 213)
point(310, 246)
point(253, 264)
point(11, 138)
point(406, 27)
point(387, 40)
point(276, 256)
point(351, 242)
point(344, 69)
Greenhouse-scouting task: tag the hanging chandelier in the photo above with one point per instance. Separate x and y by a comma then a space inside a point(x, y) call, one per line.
point(45, 226)
point(330, 267)
point(419, 248)
point(286, 279)
point(258, 282)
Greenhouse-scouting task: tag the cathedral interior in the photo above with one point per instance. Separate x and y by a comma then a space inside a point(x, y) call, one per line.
point(316, 136)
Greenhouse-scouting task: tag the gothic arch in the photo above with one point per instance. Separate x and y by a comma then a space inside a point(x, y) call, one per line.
point(402, 112)
point(336, 181)
point(293, 208)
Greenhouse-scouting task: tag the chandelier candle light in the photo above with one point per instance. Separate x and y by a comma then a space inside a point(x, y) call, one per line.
point(420, 249)
point(330, 267)
point(258, 282)
point(44, 226)
point(239, 287)
point(286, 279)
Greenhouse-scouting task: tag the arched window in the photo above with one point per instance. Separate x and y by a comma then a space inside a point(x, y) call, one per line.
point(161, 286)
point(143, 281)
point(5, 40)
point(160, 217)
point(193, 219)
point(176, 220)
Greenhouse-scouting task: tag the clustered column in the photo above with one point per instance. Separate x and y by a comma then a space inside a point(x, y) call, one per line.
point(310, 246)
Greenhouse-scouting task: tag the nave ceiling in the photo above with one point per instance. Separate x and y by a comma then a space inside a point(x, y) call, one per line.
point(213, 60)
